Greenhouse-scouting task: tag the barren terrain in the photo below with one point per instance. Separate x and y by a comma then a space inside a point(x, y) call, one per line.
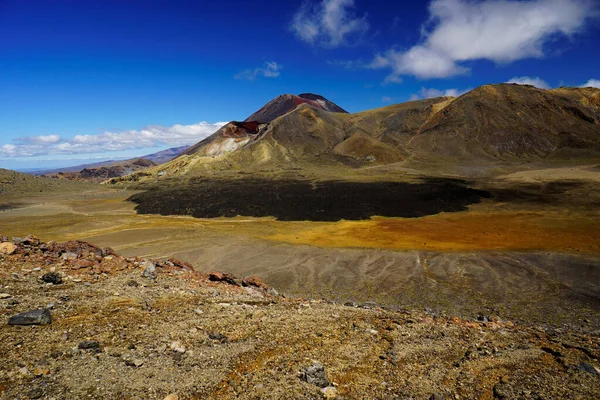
point(532, 239)
point(118, 331)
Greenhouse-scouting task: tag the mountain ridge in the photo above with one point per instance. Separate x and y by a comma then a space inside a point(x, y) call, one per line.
point(490, 125)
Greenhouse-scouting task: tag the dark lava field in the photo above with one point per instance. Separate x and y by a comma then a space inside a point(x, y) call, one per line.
point(294, 200)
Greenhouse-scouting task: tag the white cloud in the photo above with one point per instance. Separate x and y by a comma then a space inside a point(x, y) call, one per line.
point(8, 149)
point(47, 139)
point(386, 99)
point(527, 80)
point(498, 30)
point(150, 136)
point(595, 83)
point(428, 93)
point(328, 23)
point(270, 69)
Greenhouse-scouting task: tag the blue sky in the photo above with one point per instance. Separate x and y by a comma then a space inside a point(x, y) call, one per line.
point(90, 80)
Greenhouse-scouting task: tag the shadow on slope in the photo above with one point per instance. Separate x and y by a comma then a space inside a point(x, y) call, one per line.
point(293, 200)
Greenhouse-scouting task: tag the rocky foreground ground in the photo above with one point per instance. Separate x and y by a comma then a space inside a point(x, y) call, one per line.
point(109, 327)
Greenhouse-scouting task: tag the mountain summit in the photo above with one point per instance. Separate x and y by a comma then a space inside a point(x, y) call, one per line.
point(287, 102)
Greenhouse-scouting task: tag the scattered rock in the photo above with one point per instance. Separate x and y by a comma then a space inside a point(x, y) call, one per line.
point(36, 393)
point(482, 318)
point(133, 283)
point(5, 296)
point(137, 362)
point(107, 251)
point(315, 375)
point(113, 352)
point(271, 291)
point(39, 371)
point(172, 396)
point(437, 396)
point(502, 391)
point(89, 345)
point(52, 277)
point(31, 240)
point(255, 282)
point(82, 264)
point(218, 337)
point(222, 277)
point(8, 248)
point(177, 347)
point(149, 270)
point(68, 256)
point(34, 317)
point(330, 392)
point(132, 361)
point(590, 369)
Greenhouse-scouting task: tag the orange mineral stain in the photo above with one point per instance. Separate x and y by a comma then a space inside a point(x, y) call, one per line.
point(456, 232)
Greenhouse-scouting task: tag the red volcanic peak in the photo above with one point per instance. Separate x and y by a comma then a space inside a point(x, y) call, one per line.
point(288, 102)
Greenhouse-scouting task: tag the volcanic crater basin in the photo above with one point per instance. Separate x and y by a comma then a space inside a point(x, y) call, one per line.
point(296, 200)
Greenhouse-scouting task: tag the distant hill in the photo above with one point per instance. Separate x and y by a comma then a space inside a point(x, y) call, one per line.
point(489, 125)
point(13, 182)
point(166, 155)
point(100, 174)
point(110, 169)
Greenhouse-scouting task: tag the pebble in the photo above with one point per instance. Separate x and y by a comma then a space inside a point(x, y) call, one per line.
point(36, 393)
point(5, 296)
point(52, 277)
point(68, 256)
point(132, 361)
point(218, 336)
point(172, 396)
point(89, 345)
point(137, 362)
point(34, 317)
point(39, 371)
point(330, 392)
point(590, 369)
point(315, 375)
point(177, 347)
point(149, 270)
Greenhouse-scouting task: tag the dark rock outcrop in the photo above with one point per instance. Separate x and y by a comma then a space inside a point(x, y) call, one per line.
point(35, 317)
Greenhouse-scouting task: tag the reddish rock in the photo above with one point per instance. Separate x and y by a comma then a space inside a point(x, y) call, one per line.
point(73, 246)
point(173, 264)
point(31, 240)
point(222, 277)
point(254, 281)
point(79, 264)
point(114, 264)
